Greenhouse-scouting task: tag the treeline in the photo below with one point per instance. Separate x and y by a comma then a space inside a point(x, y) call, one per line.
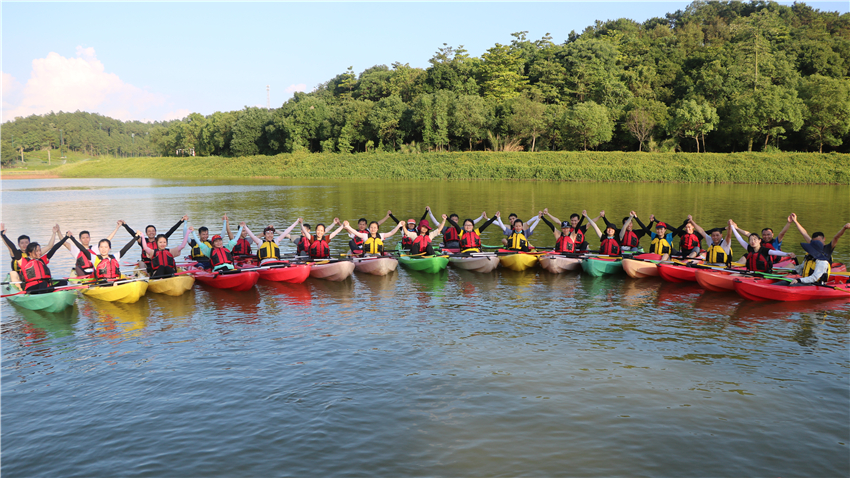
point(718, 77)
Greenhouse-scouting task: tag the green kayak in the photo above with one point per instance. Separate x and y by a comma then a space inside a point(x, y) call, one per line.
point(600, 266)
point(48, 302)
point(429, 264)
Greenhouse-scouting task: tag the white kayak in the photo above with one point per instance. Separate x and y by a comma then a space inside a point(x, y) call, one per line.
point(558, 264)
point(379, 266)
point(475, 263)
point(332, 271)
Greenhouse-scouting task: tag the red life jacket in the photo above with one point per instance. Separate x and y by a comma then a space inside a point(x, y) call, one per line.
point(84, 263)
point(689, 242)
point(469, 240)
point(219, 256)
point(630, 239)
point(162, 258)
point(756, 261)
point(303, 245)
point(565, 244)
point(609, 247)
point(406, 242)
point(243, 247)
point(151, 245)
point(420, 243)
point(356, 243)
point(450, 235)
point(579, 235)
point(107, 269)
point(769, 246)
point(319, 248)
point(34, 271)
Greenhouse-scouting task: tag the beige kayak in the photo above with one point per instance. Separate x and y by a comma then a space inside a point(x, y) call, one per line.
point(557, 264)
point(378, 266)
point(483, 264)
point(332, 271)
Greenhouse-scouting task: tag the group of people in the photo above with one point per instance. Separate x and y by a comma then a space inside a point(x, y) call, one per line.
point(30, 263)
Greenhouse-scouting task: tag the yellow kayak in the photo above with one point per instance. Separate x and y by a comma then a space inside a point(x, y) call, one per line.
point(128, 292)
point(174, 286)
point(519, 261)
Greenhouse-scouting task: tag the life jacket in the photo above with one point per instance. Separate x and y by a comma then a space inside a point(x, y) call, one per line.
point(302, 245)
point(107, 268)
point(660, 246)
point(630, 239)
point(319, 248)
point(756, 261)
point(162, 258)
point(16, 263)
point(34, 271)
point(151, 245)
point(609, 247)
point(196, 250)
point(809, 268)
point(373, 245)
point(715, 254)
point(518, 242)
point(84, 264)
point(219, 256)
point(420, 243)
point(565, 243)
point(450, 235)
point(470, 241)
point(356, 243)
point(769, 246)
point(406, 242)
point(579, 235)
point(242, 247)
point(689, 242)
point(269, 250)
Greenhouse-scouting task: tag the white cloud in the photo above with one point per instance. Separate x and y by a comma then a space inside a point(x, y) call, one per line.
point(293, 88)
point(82, 83)
point(176, 114)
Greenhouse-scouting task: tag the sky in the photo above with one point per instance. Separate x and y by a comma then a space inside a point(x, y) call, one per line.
point(162, 61)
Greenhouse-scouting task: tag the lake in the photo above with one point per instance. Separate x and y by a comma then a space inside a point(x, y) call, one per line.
point(453, 374)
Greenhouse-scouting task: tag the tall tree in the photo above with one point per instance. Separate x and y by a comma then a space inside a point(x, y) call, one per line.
point(528, 119)
point(588, 125)
point(828, 110)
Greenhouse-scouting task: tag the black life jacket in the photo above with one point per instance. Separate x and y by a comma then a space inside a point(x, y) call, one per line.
point(219, 256)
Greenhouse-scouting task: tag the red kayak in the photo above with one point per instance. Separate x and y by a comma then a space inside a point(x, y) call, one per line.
point(768, 289)
point(718, 281)
point(677, 273)
point(293, 273)
point(238, 281)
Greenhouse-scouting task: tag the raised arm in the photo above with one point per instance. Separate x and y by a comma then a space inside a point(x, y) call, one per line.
point(385, 235)
point(781, 234)
point(56, 232)
point(126, 248)
point(551, 226)
point(393, 217)
point(593, 224)
point(533, 222)
point(480, 218)
point(227, 227)
point(484, 226)
point(175, 251)
point(232, 242)
point(546, 212)
point(431, 215)
point(741, 241)
point(117, 226)
point(436, 232)
point(625, 226)
point(56, 246)
point(287, 230)
point(354, 232)
point(699, 229)
point(13, 250)
point(205, 249)
point(454, 224)
point(382, 221)
point(800, 227)
point(174, 227)
point(839, 234)
point(254, 238)
point(85, 250)
point(643, 228)
point(333, 234)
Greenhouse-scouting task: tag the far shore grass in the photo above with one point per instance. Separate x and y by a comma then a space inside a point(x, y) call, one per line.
point(754, 168)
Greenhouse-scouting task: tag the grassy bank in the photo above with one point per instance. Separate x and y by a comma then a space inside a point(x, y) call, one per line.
point(779, 168)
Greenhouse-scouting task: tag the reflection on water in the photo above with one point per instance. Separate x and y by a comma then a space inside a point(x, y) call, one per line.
point(449, 374)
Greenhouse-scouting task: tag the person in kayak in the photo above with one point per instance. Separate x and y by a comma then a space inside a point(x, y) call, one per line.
point(150, 239)
point(162, 258)
point(421, 243)
point(371, 242)
point(221, 257)
point(768, 240)
point(661, 240)
point(816, 268)
point(363, 226)
point(18, 253)
point(203, 238)
point(268, 250)
point(34, 270)
point(517, 241)
point(105, 266)
point(242, 248)
point(406, 240)
point(451, 234)
point(610, 244)
point(627, 236)
point(718, 249)
point(469, 238)
point(320, 243)
point(527, 231)
point(828, 248)
point(83, 265)
point(757, 258)
point(565, 239)
point(576, 227)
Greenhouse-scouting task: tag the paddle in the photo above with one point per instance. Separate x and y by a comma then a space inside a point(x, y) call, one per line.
point(833, 287)
point(56, 289)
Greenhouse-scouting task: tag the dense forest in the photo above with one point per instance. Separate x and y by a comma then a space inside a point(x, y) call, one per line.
point(717, 77)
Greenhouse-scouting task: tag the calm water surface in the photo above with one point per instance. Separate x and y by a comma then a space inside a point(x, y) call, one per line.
point(456, 374)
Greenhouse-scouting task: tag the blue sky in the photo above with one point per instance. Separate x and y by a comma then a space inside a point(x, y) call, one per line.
point(154, 61)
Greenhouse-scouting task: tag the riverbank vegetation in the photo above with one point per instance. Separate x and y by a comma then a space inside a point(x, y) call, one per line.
point(718, 77)
point(779, 168)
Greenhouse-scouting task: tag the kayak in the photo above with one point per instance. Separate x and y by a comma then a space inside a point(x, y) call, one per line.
point(56, 301)
point(378, 265)
point(293, 273)
point(718, 281)
point(640, 269)
point(518, 261)
point(173, 286)
point(332, 271)
point(767, 289)
point(237, 281)
point(557, 264)
point(475, 263)
point(429, 264)
point(600, 266)
point(677, 273)
point(127, 293)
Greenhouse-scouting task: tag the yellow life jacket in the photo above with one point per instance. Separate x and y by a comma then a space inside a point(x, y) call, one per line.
point(518, 242)
point(373, 245)
point(196, 250)
point(809, 268)
point(716, 255)
point(269, 250)
point(660, 246)
point(16, 266)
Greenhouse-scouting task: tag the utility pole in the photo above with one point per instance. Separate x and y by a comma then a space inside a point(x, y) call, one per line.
point(268, 98)
point(61, 144)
